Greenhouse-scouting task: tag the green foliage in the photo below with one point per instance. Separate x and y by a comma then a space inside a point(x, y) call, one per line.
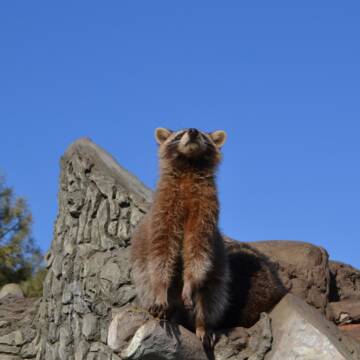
point(20, 258)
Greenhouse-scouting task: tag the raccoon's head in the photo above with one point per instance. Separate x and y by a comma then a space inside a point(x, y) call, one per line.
point(190, 146)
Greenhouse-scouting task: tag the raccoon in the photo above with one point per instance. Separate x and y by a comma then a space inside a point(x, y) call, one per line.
point(180, 264)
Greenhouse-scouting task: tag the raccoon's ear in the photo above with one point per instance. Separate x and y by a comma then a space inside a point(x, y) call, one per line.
point(161, 134)
point(218, 137)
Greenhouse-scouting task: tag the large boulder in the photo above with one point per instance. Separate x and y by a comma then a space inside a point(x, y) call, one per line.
point(13, 290)
point(135, 335)
point(300, 332)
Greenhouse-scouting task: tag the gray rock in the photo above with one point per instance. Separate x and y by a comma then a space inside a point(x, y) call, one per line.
point(9, 349)
point(90, 326)
point(82, 350)
point(10, 357)
point(134, 334)
point(300, 332)
point(18, 333)
point(246, 344)
point(124, 325)
point(345, 284)
point(29, 350)
point(65, 350)
point(3, 324)
point(232, 344)
point(49, 258)
point(163, 341)
point(260, 338)
point(13, 290)
point(89, 268)
point(56, 266)
point(102, 351)
point(14, 338)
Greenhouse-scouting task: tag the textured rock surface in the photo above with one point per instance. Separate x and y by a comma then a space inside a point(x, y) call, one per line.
point(89, 270)
point(135, 335)
point(17, 327)
point(352, 330)
point(345, 282)
point(13, 290)
point(344, 305)
point(345, 311)
point(246, 344)
point(123, 326)
point(300, 332)
point(89, 281)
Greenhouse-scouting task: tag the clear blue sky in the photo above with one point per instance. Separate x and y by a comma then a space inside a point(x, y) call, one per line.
point(282, 78)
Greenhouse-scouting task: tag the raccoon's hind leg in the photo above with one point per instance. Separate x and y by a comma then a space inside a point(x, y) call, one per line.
point(202, 329)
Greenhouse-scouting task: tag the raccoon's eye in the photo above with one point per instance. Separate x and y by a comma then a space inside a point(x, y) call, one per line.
point(178, 136)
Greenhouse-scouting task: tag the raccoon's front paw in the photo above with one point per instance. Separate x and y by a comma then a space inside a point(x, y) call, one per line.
point(186, 297)
point(159, 310)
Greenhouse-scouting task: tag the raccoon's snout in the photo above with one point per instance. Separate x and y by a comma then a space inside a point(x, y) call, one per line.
point(193, 133)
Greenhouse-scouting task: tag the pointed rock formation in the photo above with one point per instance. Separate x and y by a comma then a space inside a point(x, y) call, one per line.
point(89, 269)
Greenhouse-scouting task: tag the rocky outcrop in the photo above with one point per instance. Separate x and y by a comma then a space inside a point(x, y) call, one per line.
point(345, 282)
point(13, 290)
point(89, 269)
point(245, 344)
point(17, 327)
point(135, 335)
point(88, 285)
point(300, 332)
point(344, 305)
point(293, 330)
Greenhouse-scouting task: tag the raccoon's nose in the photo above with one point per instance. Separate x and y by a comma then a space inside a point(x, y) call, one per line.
point(193, 133)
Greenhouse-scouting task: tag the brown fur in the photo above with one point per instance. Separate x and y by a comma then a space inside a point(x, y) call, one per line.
point(255, 285)
point(179, 259)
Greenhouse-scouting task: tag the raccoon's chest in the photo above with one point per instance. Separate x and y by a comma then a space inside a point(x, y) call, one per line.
point(188, 196)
